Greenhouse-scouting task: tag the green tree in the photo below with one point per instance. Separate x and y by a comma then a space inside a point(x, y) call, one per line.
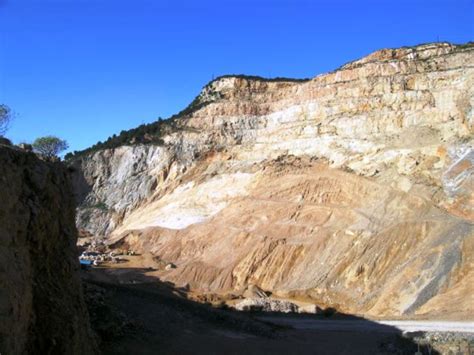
point(5, 119)
point(49, 146)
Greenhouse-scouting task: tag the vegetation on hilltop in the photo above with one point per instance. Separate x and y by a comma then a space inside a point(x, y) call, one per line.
point(153, 133)
point(146, 133)
point(260, 78)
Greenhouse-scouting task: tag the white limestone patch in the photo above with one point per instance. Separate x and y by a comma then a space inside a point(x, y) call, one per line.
point(290, 114)
point(175, 216)
point(191, 203)
point(461, 170)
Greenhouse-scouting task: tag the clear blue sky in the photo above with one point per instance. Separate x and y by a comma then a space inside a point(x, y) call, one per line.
point(85, 69)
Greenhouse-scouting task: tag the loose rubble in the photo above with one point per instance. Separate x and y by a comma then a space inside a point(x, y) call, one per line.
point(444, 342)
point(98, 253)
point(266, 305)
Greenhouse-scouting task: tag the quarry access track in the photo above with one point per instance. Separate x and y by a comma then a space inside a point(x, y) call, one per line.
point(385, 326)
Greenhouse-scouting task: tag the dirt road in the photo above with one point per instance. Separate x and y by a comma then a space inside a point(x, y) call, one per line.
point(373, 325)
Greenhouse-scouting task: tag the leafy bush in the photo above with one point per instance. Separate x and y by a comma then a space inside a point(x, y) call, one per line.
point(49, 146)
point(5, 119)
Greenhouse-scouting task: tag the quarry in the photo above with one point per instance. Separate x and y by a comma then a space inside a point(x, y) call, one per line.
point(269, 216)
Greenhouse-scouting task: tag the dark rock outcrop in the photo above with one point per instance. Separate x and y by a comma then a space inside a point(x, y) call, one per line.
point(42, 309)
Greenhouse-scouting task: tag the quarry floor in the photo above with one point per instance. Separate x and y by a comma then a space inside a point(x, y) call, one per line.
point(143, 269)
point(163, 323)
point(157, 317)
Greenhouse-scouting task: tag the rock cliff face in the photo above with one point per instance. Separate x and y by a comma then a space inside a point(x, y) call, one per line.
point(353, 189)
point(41, 306)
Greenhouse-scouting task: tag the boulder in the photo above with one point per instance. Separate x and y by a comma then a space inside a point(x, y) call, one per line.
point(254, 291)
point(26, 147)
point(311, 308)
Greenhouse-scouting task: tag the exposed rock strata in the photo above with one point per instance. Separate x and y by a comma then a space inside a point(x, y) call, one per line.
point(354, 189)
point(41, 305)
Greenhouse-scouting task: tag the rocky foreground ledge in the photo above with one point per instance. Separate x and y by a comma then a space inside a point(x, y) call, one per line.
point(42, 310)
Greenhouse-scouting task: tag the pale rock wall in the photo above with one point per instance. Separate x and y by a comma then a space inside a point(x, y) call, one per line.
point(400, 118)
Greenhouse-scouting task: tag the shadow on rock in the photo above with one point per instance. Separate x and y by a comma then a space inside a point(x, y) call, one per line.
point(147, 316)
